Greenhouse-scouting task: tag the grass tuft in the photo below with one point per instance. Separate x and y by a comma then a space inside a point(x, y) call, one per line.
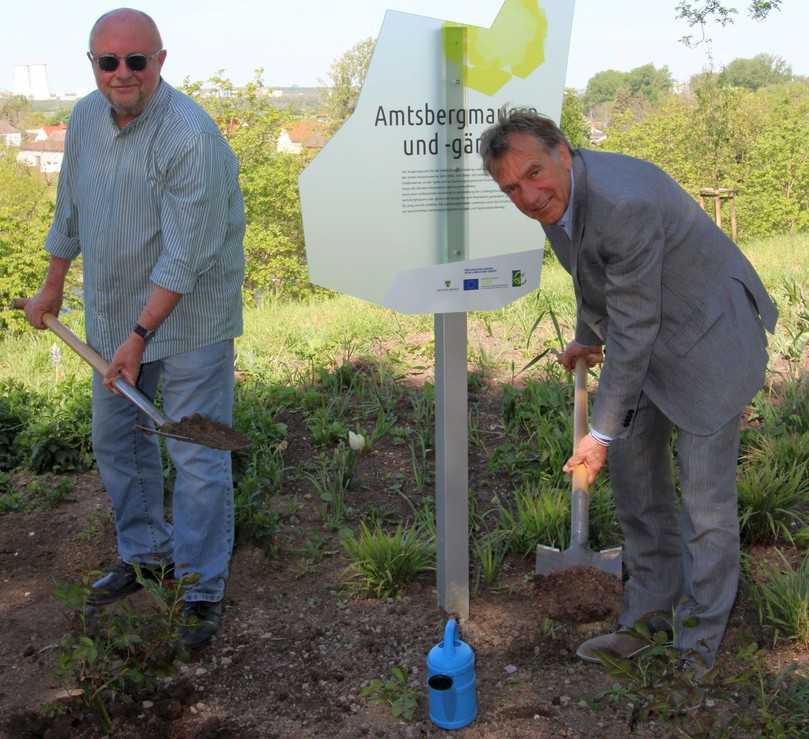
point(383, 564)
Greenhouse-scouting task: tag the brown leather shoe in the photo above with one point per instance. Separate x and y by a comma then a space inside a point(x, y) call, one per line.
point(621, 643)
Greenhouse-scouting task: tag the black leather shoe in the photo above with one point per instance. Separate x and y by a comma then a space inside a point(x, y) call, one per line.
point(122, 580)
point(201, 620)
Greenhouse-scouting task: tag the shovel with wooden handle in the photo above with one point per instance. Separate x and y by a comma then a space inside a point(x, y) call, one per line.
point(579, 554)
point(230, 439)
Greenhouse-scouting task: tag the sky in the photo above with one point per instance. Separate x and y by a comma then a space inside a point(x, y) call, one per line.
point(296, 42)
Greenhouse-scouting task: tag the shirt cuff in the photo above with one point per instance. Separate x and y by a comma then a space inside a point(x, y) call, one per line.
point(600, 438)
point(59, 245)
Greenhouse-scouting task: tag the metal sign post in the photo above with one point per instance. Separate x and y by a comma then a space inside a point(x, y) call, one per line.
point(451, 404)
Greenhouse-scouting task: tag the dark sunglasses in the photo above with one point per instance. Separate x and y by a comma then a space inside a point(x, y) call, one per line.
point(109, 62)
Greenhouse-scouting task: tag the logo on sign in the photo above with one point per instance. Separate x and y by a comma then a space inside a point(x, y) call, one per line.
point(471, 284)
point(447, 283)
point(516, 278)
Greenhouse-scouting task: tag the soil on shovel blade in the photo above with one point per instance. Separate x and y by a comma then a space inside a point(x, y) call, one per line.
point(580, 595)
point(205, 431)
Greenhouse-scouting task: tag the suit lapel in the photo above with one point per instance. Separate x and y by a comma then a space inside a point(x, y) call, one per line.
point(579, 210)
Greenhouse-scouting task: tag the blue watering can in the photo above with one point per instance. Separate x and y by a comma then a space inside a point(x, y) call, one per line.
point(451, 681)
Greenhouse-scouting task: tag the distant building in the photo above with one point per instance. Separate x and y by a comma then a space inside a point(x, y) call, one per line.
point(597, 135)
point(31, 81)
point(45, 133)
point(305, 134)
point(9, 135)
point(44, 148)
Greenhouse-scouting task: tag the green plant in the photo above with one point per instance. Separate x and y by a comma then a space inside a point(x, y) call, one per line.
point(10, 498)
point(538, 421)
point(382, 564)
point(605, 531)
point(784, 410)
point(419, 460)
point(92, 527)
point(653, 680)
point(15, 406)
point(537, 517)
point(489, 552)
point(48, 493)
point(58, 438)
point(119, 651)
point(331, 479)
point(782, 599)
point(778, 452)
point(394, 692)
point(770, 502)
point(326, 423)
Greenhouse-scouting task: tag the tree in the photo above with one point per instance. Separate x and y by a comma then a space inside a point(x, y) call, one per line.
point(15, 108)
point(573, 122)
point(26, 209)
point(649, 83)
point(346, 79)
point(760, 71)
point(701, 13)
point(603, 87)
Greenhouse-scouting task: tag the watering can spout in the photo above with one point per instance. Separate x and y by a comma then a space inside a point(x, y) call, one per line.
point(450, 634)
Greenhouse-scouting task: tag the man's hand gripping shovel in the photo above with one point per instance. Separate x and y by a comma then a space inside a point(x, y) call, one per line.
point(579, 554)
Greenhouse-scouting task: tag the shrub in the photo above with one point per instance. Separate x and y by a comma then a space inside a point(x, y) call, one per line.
point(59, 438)
point(15, 406)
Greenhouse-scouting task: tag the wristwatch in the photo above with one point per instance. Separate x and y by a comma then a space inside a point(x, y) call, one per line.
point(143, 332)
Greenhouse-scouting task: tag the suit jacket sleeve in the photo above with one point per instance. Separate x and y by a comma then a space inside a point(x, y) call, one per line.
point(632, 252)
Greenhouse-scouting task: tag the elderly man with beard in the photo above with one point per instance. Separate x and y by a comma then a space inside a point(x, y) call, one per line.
point(149, 197)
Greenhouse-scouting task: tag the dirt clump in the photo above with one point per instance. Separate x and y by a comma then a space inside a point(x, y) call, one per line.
point(579, 595)
point(205, 431)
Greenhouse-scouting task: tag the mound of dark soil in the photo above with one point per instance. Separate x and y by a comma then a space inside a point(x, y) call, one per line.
point(580, 595)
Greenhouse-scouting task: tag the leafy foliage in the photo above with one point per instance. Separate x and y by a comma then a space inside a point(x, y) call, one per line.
point(120, 651)
point(346, 78)
point(723, 136)
point(25, 213)
point(394, 692)
point(573, 121)
point(760, 71)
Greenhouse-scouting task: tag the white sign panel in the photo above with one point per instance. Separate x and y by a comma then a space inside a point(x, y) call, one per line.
point(471, 285)
point(387, 192)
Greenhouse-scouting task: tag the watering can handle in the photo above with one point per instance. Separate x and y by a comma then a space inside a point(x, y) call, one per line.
point(450, 634)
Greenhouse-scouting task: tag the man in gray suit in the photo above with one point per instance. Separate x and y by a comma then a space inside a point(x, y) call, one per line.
point(680, 314)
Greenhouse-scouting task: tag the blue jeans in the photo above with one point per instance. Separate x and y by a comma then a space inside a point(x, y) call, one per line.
point(200, 540)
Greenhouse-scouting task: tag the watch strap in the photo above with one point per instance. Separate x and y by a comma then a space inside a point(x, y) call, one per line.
point(143, 332)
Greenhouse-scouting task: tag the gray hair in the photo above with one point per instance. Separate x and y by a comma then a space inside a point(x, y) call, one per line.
point(494, 142)
point(126, 11)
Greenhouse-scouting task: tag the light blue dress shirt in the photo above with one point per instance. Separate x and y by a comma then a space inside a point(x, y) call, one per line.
point(154, 203)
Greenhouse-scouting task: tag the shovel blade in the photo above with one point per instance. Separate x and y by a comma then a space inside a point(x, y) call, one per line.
point(550, 560)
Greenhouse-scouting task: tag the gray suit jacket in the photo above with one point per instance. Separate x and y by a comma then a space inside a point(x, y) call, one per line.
point(679, 308)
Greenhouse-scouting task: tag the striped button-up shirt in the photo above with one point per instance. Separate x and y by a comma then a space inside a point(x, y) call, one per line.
point(154, 203)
